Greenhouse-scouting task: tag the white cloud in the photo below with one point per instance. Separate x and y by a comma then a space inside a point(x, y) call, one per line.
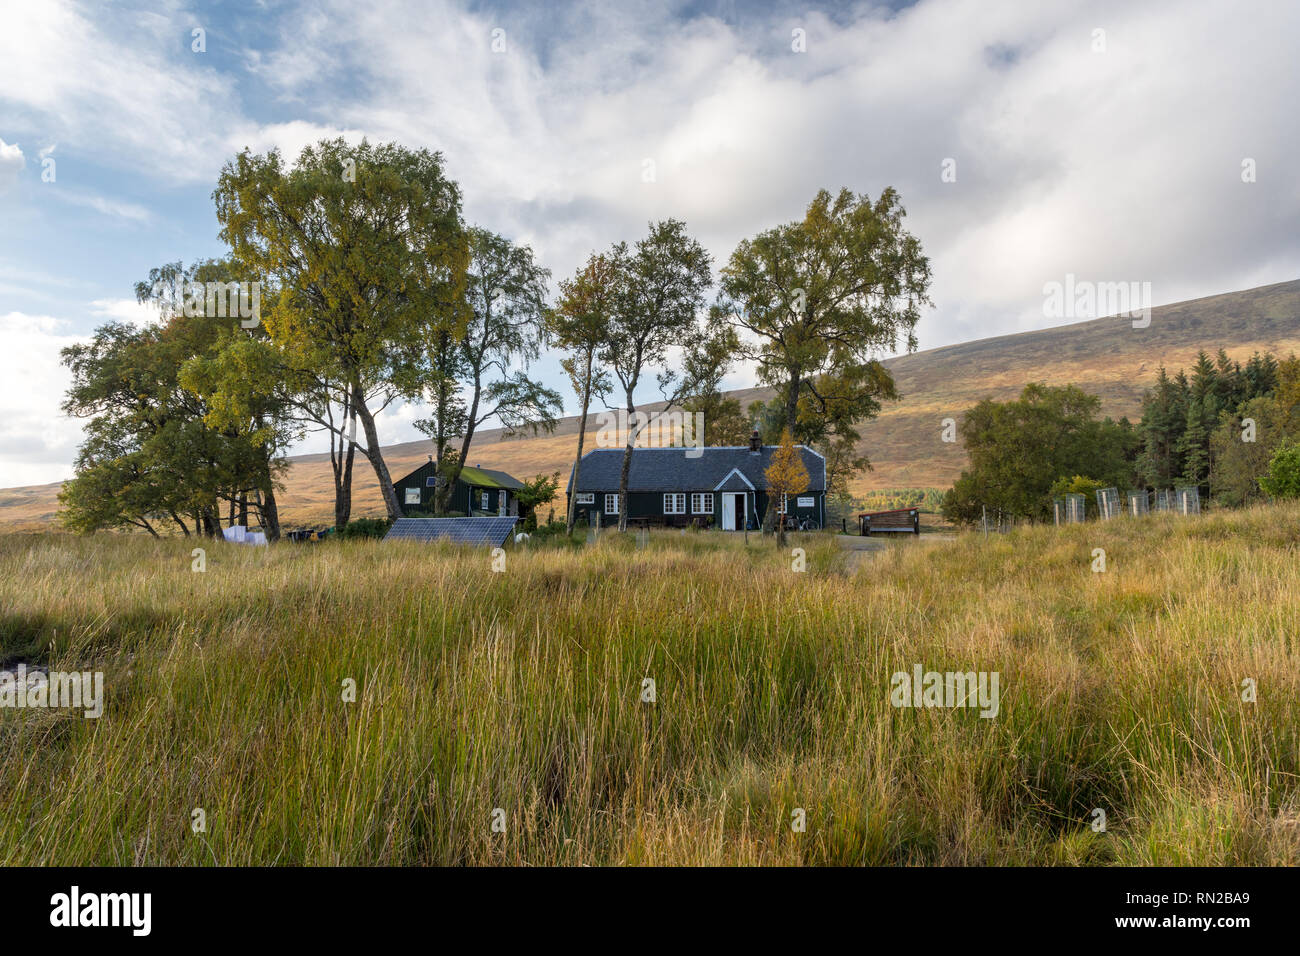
point(126, 96)
point(125, 310)
point(113, 208)
point(1122, 165)
point(37, 441)
point(11, 164)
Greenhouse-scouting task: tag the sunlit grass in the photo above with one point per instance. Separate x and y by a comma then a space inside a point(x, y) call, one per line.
point(522, 691)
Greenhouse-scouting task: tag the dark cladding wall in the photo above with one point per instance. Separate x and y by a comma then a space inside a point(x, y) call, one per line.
point(460, 495)
point(646, 504)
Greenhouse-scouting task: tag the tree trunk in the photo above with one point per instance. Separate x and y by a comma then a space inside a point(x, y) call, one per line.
point(243, 508)
point(341, 463)
point(270, 514)
point(627, 463)
point(343, 510)
point(185, 529)
point(792, 402)
point(375, 455)
point(446, 491)
point(582, 436)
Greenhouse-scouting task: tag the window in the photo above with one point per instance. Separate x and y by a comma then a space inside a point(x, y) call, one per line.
point(702, 504)
point(586, 498)
point(485, 501)
point(611, 504)
point(675, 504)
point(412, 496)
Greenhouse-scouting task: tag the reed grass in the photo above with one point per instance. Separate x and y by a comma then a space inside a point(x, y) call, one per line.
point(521, 691)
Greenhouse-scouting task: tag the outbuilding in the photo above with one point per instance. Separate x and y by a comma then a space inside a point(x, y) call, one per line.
point(478, 491)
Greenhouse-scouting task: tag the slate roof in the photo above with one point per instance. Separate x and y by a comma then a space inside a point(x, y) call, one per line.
point(670, 469)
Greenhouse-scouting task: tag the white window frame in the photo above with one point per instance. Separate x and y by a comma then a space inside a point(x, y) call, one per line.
point(585, 498)
point(611, 504)
point(412, 493)
point(704, 500)
point(484, 500)
point(673, 496)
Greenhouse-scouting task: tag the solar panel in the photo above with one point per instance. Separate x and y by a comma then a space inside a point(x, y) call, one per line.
point(477, 531)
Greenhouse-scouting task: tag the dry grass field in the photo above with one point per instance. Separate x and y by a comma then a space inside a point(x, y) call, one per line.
point(519, 699)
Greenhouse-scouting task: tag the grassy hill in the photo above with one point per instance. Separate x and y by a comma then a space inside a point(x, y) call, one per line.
point(1107, 357)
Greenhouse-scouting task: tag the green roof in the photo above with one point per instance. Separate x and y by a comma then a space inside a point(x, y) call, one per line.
point(485, 478)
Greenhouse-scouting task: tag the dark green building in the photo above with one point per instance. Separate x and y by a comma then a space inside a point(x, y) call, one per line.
point(721, 487)
point(478, 491)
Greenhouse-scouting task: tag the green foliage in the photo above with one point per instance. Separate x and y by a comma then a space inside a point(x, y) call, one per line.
point(365, 528)
point(579, 326)
point(1019, 449)
point(660, 293)
point(170, 432)
point(1238, 462)
point(1184, 433)
point(883, 499)
point(537, 491)
point(815, 302)
point(1283, 478)
point(368, 254)
point(725, 422)
point(1080, 485)
point(506, 292)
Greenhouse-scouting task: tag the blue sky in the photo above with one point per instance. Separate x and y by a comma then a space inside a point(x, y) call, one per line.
point(1115, 164)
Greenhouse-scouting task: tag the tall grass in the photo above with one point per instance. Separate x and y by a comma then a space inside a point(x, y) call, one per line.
point(522, 691)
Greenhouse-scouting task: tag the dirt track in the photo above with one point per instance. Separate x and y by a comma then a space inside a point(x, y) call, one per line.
point(859, 546)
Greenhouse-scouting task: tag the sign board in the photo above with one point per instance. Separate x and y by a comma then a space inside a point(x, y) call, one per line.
point(806, 503)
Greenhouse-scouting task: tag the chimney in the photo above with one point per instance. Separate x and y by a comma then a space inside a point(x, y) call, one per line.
point(755, 443)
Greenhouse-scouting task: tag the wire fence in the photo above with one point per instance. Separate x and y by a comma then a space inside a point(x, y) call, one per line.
point(1111, 503)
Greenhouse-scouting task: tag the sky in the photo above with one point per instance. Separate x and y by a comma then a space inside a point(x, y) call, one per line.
point(1150, 142)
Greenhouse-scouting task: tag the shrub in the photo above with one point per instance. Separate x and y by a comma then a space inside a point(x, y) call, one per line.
point(1283, 478)
point(365, 528)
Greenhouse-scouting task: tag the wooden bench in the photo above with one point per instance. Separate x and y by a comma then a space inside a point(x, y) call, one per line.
point(896, 519)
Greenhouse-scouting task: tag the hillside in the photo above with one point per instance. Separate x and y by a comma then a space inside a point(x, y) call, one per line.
point(1107, 357)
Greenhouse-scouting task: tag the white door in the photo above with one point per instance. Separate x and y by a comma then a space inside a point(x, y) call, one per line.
point(733, 510)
